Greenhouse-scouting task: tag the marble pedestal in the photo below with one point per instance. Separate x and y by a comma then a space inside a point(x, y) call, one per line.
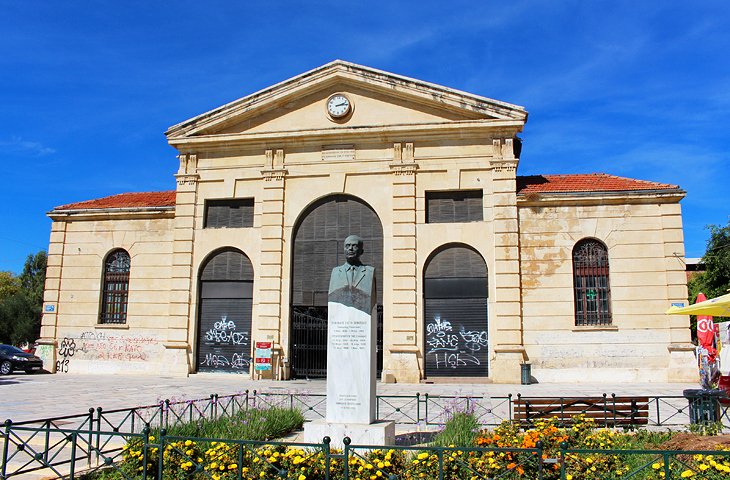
point(376, 433)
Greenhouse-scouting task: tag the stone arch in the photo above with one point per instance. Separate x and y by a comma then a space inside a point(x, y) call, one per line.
point(225, 305)
point(456, 328)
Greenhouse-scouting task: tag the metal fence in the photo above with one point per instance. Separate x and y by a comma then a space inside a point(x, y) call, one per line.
point(61, 445)
point(144, 456)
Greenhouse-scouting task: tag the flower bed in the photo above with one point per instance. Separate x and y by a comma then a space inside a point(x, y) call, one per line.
point(546, 450)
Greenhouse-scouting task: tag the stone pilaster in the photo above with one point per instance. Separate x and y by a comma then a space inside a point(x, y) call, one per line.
point(682, 364)
point(506, 311)
point(46, 349)
point(182, 275)
point(401, 363)
point(268, 323)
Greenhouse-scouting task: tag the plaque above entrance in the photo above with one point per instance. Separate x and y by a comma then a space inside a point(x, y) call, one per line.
point(338, 153)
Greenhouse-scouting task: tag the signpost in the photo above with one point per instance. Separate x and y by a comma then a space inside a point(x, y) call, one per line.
point(262, 356)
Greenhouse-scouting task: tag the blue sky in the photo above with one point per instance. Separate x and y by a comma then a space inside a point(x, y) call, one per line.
point(631, 88)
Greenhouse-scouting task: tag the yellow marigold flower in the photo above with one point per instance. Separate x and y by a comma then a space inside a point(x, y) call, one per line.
point(687, 474)
point(262, 474)
point(387, 463)
point(222, 467)
point(188, 443)
point(422, 455)
point(369, 466)
point(704, 467)
point(381, 465)
point(656, 466)
point(302, 477)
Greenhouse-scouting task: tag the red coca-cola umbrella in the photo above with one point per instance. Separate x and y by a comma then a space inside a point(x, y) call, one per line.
point(706, 330)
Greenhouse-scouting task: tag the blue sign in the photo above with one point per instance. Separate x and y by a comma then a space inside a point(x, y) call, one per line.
point(50, 308)
point(678, 304)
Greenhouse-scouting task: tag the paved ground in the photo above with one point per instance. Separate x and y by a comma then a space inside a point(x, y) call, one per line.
point(31, 397)
point(28, 397)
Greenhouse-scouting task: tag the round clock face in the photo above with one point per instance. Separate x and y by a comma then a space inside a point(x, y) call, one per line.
point(338, 105)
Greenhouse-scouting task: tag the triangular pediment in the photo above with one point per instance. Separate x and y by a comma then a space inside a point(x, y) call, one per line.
point(378, 99)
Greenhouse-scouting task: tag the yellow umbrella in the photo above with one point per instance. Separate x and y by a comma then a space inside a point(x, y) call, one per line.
point(717, 307)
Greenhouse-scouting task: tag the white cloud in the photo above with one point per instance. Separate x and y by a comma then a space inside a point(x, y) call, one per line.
point(17, 145)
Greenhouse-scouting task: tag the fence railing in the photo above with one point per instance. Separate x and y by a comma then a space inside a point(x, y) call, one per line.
point(67, 440)
point(145, 456)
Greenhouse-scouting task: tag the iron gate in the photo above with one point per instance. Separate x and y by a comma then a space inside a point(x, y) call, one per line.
point(309, 342)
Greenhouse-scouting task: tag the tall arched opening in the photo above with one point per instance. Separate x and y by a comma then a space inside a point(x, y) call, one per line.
point(225, 303)
point(317, 248)
point(455, 313)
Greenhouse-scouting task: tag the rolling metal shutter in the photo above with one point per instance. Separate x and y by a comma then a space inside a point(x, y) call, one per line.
point(230, 213)
point(454, 207)
point(455, 314)
point(226, 303)
point(318, 248)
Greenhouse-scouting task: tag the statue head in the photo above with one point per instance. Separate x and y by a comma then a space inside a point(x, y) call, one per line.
point(353, 249)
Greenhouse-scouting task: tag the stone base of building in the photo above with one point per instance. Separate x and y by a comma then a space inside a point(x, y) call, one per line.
point(505, 367)
point(378, 433)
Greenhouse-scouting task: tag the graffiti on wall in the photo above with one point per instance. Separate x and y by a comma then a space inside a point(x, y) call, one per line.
point(104, 346)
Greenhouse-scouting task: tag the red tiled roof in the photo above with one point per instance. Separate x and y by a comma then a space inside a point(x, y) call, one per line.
point(585, 182)
point(126, 200)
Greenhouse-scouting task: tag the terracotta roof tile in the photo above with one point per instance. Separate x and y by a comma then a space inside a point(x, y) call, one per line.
point(126, 200)
point(585, 182)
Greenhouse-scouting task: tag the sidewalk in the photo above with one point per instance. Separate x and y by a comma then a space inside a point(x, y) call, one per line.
point(29, 397)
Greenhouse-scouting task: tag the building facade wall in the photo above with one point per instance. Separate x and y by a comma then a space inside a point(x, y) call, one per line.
point(645, 250)
point(403, 140)
point(78, 249)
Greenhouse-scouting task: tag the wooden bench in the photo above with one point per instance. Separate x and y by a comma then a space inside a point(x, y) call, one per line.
point(606, 411)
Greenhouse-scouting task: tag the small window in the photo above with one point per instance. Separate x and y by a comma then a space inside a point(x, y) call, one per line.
point(591, 286)
point(115, 288)
point(230, 213)
point(454, 207)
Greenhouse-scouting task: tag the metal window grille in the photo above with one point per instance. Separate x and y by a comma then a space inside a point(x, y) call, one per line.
point(115, 291)
point(591, 284)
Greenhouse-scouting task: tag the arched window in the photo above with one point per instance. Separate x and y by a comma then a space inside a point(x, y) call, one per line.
point(115, 288)
point(591, 286)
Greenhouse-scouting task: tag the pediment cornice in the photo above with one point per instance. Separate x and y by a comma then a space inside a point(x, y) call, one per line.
point(346, 73)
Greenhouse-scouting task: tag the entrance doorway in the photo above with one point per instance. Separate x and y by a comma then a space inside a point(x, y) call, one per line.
point(224, 320)
point(318, 248)
point(455, 314)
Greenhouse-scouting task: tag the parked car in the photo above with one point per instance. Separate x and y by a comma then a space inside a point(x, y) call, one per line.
point(13, 358)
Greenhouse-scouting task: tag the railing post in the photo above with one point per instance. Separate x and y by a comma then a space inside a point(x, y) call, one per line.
point(246, 399)
point(538, 445)
point(605, 409)
point(240, 461)
point(346, 452)
point(326, 447)
point(145, 451)
point(667, 471)
point(91, 439)
point(418, 407)
point(441, 463)
point(6, 441)
point(563, 448)
point(509, 407)
point(658, 417)
point(161, 453)
point(254, 398)
point(426, 408)
point(47, 441)
point(72, 465)
point(167, 415)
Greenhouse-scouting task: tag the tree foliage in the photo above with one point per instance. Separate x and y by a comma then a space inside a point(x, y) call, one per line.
point(21, 301)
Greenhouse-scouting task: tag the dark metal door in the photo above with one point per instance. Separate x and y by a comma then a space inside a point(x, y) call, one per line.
point(225, 307)
point(455, 314)
point(318, 248)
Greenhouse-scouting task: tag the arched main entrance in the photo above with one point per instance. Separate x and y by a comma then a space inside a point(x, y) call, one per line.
point(318, 248)
point(224, 319)
point(455, 313)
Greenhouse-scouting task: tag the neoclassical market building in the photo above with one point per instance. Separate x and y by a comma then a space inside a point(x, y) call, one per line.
point(479, 269)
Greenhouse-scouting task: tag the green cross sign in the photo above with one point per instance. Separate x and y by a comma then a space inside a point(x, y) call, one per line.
point(591, 294)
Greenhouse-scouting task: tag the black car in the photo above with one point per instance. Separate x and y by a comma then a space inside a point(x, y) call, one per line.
point(13, 358)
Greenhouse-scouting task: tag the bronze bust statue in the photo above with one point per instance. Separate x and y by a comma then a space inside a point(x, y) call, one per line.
point(352, 283)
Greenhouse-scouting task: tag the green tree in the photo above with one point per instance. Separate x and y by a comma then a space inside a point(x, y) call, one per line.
point(21, 301)
point(715, 280)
